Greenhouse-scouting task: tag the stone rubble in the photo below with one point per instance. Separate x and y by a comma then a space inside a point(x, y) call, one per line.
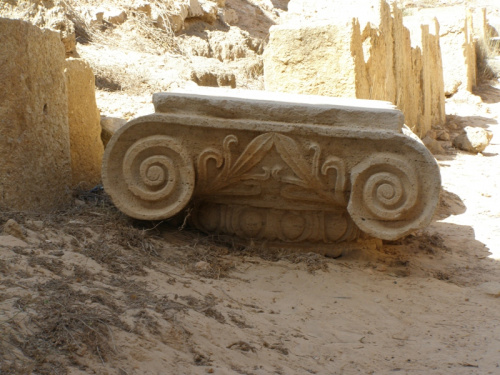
point(474, 139)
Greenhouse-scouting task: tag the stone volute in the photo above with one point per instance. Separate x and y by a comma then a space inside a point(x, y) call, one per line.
point(278, 168)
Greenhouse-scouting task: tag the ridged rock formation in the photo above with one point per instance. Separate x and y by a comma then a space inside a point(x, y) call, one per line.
point(359, 50)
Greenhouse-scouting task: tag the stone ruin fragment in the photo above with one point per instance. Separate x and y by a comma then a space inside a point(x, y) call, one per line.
point(282, 169)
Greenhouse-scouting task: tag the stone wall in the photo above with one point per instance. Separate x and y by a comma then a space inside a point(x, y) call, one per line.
point(340, 51)
point(84, 125)
point(35, 167)
point(458, 44)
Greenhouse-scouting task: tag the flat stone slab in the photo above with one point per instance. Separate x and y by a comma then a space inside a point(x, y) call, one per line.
point(277, 168)
point(282, 107)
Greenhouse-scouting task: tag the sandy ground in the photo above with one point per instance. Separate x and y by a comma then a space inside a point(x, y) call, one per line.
point(90, 291)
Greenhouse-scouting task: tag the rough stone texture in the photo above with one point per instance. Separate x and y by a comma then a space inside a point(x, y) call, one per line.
point(35, 164)
point(115, 16)
point(212, 73)
point(280, 168)
point(177, 16)
point(473, 140)
point(67, 32)
point(433, 146)
point(84, 125)
point(230, 16)
point(195, 9)
point(11, 242)
point(427, 83)
point(360, 54)
point(491, 288)
point(458, 44)
point(142, 7)
point(460, 50)
point(13, 228)
point(314, 60)
point(109, 126)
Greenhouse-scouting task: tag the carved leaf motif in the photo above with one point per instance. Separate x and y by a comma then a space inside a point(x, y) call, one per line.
point(252, 154)
point(306, 178)
point(289, 151)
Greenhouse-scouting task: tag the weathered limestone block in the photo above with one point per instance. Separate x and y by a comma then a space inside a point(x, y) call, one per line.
point(474, 140)
point(109, 126)
point(308, 59)
point(280, 168)
point(458, 47)
point(84, 125)
point(35, 164)
point(427, 108)
point(361, 49)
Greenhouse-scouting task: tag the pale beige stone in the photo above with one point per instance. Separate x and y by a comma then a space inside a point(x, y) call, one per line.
point(115, 16)
point(458, 48)
point(491, 288)
point(474, 139)
point(142, 7)
point(279, 168)
point(109, 126)
point(195, 9)
point(84, 124)
point(220, 3)
point(365, 53)
point(176, 17)
point(212, 73)
point(311, 59)
point(10, 242)
point(67, 32)
point(433, 146)
point(230, 16)
point(209, 12)
point(35, 164)
point(13, 228)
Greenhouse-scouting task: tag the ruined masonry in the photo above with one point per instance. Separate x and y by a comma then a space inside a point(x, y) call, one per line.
point(49, 122)
point(299, 170)
point(84, 125)
point(342, 51)
point(35, 164)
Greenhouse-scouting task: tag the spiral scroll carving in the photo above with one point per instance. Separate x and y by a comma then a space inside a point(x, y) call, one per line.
point(384, 195)
point(158, 178)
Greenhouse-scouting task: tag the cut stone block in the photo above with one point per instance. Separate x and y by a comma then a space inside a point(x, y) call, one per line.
point(84, 125)
point(35, 165)
point(358, 49)
point(279, 168)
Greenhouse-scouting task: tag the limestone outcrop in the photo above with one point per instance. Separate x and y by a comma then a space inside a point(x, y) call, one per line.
point(303, 170)
point(35, 164)
point(360, 50)
point(84, 125)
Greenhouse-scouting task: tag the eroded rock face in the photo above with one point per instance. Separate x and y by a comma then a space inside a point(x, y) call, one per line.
point(358, 49)
point(84, 125)
point(273, 167)
point(35, 165)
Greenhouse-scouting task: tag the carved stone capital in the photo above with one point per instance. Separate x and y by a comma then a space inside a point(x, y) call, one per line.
point(256, 168)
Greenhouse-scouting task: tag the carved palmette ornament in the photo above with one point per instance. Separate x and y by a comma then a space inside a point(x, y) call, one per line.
point(354, 172)
point(306, 182)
